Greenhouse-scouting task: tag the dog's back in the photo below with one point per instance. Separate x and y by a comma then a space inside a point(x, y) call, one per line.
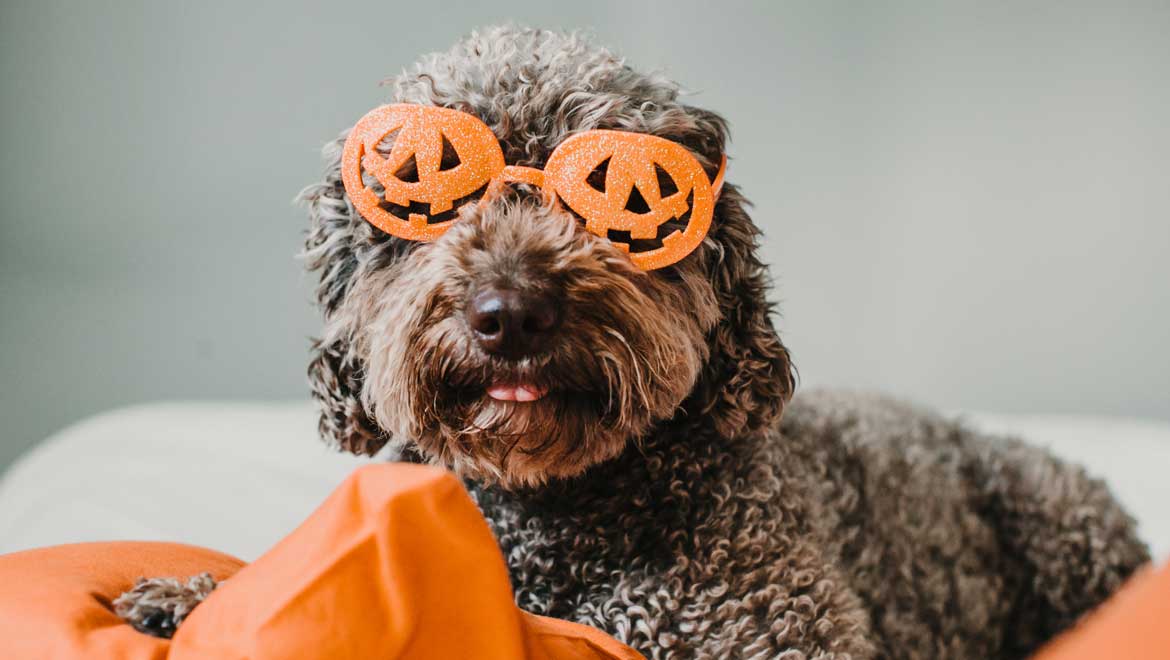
point(961, 545)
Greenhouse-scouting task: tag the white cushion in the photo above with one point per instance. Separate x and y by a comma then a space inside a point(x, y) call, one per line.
point(237, 477)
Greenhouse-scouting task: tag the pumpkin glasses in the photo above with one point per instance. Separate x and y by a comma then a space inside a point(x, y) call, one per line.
point(646, 194)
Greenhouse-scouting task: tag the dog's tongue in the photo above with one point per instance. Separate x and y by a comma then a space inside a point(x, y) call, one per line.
point(521, 392)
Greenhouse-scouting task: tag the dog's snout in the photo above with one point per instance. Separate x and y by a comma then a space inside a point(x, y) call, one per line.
point(512, 323)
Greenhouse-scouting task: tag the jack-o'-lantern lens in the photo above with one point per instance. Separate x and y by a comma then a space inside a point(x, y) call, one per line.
point(646, 194)
point(408, 168)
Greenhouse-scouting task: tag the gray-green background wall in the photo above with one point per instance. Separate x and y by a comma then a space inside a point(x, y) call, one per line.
point(967, 204)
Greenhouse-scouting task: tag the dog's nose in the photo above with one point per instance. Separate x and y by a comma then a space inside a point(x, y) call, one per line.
point(512, 323)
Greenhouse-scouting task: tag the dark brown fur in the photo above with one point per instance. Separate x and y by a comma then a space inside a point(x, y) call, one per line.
point(656, 493)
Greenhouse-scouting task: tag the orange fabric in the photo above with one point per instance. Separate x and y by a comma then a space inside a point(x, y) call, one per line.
point(397, 563)
point(1133, 625)
point(632, 161)
point(55, 602)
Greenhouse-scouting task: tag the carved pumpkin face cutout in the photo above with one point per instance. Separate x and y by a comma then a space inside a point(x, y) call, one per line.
point(437, 159)
point(646, 194)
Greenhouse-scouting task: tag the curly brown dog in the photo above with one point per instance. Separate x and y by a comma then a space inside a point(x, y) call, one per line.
point(621, 428)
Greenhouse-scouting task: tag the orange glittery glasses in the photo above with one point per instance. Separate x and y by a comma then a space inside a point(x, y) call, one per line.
point(647, 194)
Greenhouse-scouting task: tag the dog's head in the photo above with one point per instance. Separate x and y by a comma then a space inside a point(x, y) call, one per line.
point(517, 346)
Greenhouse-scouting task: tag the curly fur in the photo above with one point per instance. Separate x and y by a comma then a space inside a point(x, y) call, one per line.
point(862, 528)
point(534, 88)
point(656, 493)
point(622, 361)
point(157, 606)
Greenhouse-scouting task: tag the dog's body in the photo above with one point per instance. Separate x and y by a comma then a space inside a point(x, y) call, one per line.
point(861, 529)
point(645, 482)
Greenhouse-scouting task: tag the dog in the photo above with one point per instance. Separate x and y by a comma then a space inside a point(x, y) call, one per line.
point(632, 435)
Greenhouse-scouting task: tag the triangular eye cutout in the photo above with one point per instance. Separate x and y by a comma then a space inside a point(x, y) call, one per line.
point(666, 184)
point(637, 203)
point(386, 144)
point(596, 178)
point(408, 173)
point(450, 159)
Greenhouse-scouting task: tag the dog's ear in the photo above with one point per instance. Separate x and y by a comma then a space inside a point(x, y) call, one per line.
point(336, 246)
point(336, 384)
point(748, 377)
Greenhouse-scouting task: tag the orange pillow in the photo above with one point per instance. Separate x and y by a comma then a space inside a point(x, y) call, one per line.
point(1133, 625)
point(55, 602)
point(397, 563)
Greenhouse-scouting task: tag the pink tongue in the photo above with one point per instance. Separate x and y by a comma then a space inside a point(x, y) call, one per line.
point(515, 392)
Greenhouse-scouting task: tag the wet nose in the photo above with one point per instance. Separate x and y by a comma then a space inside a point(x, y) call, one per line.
point(512, 323)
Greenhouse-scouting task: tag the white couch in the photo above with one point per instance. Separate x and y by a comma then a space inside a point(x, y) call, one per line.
point(238, 476)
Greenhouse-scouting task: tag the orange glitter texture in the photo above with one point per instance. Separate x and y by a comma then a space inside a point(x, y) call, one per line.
point(439, 158)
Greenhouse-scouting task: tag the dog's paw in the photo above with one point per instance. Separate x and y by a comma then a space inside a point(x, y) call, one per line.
point(157, 606)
